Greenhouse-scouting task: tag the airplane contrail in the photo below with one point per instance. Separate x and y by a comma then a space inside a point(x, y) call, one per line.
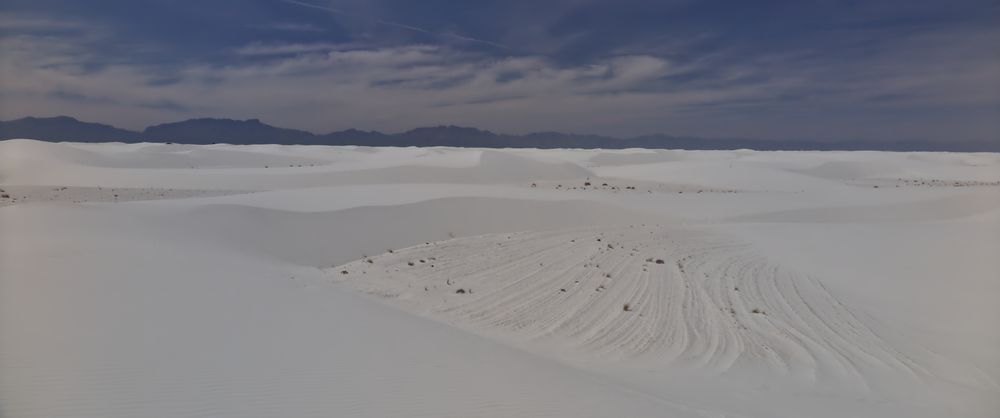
point(398, 25)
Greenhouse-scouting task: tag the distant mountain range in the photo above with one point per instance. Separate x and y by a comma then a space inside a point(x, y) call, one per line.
point(253, 131)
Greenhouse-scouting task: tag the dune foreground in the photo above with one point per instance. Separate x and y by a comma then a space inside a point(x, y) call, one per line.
point(155, 280)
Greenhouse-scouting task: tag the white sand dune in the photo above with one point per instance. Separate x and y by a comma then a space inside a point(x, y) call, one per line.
point(658, 294)
point(27, 163)
point(630, 158)
point(329, 238)
point(234, 281)
point(942, 208)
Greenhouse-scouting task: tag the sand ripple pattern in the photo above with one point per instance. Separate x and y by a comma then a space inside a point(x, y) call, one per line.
point(632, 293)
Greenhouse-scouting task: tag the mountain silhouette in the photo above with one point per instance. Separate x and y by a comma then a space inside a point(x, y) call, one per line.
point(253, 131)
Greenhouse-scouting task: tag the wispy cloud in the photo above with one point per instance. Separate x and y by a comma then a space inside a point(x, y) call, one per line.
point(11, 23)
point(285, 49)
point(291, 27)
point(398, 25)
point(936, 82)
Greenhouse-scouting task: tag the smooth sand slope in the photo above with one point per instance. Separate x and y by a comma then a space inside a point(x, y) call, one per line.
point(150, 280)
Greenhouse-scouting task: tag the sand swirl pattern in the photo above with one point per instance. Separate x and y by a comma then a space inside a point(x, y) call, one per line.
point(632, 293)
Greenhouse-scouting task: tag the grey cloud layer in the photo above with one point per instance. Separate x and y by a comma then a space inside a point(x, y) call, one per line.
point(328, 86)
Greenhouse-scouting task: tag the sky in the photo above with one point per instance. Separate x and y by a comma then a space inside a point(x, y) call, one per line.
point(806, 70)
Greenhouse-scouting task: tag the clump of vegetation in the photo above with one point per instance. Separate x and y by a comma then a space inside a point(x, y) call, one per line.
point(343, 272)
point(460, 291)
point(409, 263)
point(659, 261)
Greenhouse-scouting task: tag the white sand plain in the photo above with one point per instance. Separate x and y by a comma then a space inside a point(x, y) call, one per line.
point(152, 280)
